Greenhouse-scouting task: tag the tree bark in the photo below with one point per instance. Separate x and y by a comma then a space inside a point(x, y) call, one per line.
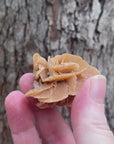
point(51, 27)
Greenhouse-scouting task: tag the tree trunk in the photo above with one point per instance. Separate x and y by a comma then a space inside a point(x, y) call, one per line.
point(51, 27)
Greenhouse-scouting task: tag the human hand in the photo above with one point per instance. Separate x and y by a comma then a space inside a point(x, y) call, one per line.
point(87, 117)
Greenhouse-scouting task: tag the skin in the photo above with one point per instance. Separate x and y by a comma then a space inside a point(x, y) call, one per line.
point(87, 117)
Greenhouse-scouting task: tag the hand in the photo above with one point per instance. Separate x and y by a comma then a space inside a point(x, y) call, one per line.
point(87, 117)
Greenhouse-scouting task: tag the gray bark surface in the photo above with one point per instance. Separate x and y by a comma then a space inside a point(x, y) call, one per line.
point(51, 27)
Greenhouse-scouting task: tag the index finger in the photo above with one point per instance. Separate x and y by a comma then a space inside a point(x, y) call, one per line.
point(50, 123)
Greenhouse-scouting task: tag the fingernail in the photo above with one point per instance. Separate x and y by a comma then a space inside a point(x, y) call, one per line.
point(98, 88)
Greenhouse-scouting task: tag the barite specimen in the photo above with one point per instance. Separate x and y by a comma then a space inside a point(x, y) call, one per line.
point(58, 80)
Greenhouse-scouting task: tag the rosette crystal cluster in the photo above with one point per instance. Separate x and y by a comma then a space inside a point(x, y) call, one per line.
point(58, 80)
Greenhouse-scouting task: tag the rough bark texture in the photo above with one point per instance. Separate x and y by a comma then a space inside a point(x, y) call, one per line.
point(51, 27)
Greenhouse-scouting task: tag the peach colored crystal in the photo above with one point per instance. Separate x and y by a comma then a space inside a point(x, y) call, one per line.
point(58, 80)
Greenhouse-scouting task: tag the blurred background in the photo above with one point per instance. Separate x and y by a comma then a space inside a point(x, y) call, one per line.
point(51, 27)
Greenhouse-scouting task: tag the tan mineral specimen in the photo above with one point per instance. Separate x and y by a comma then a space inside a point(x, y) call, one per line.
point(58, 80)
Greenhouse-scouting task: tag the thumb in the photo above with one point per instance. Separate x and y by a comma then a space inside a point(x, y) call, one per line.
point(87, 114)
